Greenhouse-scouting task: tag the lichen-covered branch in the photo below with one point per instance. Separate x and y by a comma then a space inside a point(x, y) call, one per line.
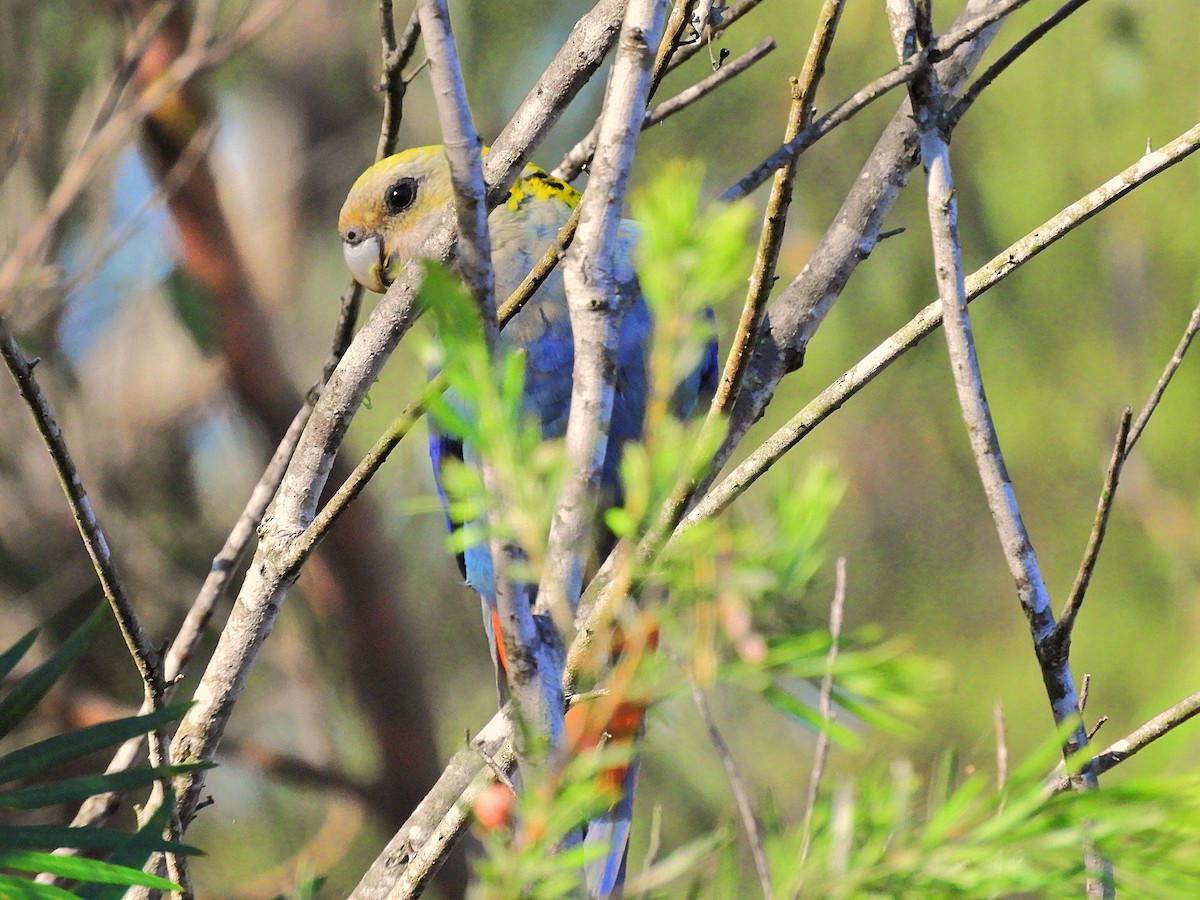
point(596, 275)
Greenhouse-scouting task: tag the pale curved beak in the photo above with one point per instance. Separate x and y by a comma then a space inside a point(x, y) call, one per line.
point(364, 258)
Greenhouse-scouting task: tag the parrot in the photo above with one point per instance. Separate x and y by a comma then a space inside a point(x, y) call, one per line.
point(390, 210)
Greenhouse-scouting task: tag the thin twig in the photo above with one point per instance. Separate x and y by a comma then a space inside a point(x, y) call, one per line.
point(672, 35)
point(302, 548)
point(349, 307)
point(682, 53)
point(1127, 434)
point(741, 795)
point(1132, 743)
point(145, 656)
point(1173, 364)
point(831, 399)
point(1001, 730)
point(837, 609)
point(848, 108)
point(706, 86)
point(392, 83)
point(1066, 623)
point(814, 60)
point(770, 241)
point(1084, 690)
point(541, 271)
point(1011, 55)
point(669, 57)
point(1018, 551)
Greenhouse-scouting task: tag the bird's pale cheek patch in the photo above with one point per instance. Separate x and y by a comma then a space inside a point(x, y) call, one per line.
point(364, 259)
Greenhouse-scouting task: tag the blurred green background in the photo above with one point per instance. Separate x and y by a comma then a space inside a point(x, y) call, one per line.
point(1065, 343)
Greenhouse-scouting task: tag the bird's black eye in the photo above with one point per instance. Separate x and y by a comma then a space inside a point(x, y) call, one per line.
point(400, 196)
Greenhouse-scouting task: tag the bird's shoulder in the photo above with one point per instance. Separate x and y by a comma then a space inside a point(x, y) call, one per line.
point(536, 187)
point(522, 228)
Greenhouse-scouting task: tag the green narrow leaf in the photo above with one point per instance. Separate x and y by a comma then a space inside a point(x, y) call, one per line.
point(790, 705)
point(76, 789)
point(14, 888)
point(49, 837)
point(194, 310)
point(459, 326)
point(81, 868)
point(678, 864)
point(305, 889)
point(15, 653)
point(30, 689)
point(76, 744)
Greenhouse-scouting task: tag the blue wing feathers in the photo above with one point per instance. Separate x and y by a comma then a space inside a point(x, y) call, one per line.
point(694, 393)
point(550, 358)
point(441, 448)
point(606, 874)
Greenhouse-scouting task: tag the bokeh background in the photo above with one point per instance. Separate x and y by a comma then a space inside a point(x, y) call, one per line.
point(312, 776)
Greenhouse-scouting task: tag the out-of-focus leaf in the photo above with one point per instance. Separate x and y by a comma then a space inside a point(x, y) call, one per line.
point(677, 864)
point(30, 689)
point(15, 888)
point(135, 851)
point(194, 308)
point(792, 706)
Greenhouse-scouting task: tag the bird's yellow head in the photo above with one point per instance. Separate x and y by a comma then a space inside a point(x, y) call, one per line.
point(390, 211)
